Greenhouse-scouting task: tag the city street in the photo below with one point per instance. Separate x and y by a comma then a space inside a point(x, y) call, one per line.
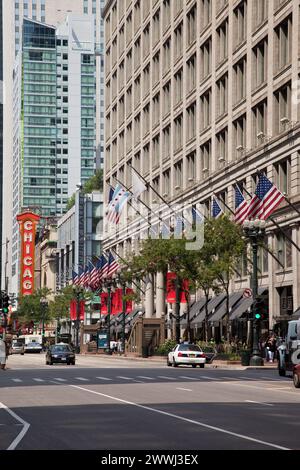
point(112, 403)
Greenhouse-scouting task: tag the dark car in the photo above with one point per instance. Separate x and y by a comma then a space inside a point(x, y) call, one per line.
point(210, 353)
point(296, 376)
point(60, 353)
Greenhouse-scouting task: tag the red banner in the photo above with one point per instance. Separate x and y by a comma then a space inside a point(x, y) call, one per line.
point(104, 303)
point(171, 289)
point(27, 222)
point(116, 302)
point(73, 310)
point(129, 302)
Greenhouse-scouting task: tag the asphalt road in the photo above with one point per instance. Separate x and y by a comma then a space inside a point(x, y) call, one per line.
point(110, 403)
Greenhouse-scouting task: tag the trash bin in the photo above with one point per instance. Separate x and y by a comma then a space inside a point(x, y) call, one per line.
point(245, 358)
point(145, 351)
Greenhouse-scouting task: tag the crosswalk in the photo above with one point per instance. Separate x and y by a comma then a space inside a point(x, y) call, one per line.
point(144, 379)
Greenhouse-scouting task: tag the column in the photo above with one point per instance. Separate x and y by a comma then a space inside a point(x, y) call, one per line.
point(149, 301)
point(160, 295)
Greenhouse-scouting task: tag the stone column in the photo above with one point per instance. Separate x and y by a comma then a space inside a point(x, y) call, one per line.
point(160, 295)
point(149, 300)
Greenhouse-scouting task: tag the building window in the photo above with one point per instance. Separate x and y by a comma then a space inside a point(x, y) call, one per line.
point(222, 41)
point(191, 73)
point(282, 108)
point(191, 121)
point(166, 98)
point(146, 119)
point(239, 80)
point(191, 18)
point(239, 131)
point(178, 133)
point(156, 69)
point(191, 167)
point(166, 141)
point(222, 148)
point(178, 86)
point(240, 23)
point(222, 95)
point(205, 53)
point(260, 63)
point(284, 249)
point(156, 108)
point(205, 159)
point(156, 27)
point(178, 179)
point(166, 183)
point(283, 175)
point(205, 101)
point(178, 39)
point(206, 13)
point(260, 11)
point(156, 151)
point(259, 126)
point(283, 44)
point(166, 13)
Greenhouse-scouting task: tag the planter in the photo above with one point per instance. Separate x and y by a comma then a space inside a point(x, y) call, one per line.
point(245, 357)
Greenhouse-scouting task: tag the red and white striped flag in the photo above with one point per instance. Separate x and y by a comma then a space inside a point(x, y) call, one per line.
point(265, 200)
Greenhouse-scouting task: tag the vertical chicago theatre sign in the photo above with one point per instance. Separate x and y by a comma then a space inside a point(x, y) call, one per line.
point(27, 222)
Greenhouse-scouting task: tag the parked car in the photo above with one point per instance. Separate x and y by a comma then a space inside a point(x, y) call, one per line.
point(17, 348)
point(33, 348)
point(186, 353)
point(210, 353)
point(296, 376)
point(60, 353)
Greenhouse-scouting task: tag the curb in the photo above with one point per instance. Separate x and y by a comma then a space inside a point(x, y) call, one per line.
point(163, 359)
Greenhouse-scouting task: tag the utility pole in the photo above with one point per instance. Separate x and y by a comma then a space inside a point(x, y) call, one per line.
point(177, 309)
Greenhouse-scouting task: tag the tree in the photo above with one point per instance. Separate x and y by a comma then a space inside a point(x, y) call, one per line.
point(94, 183)
point(227, 246)
point(29, 306)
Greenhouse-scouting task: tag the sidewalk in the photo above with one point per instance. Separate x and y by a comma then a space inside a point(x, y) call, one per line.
point(217, 364)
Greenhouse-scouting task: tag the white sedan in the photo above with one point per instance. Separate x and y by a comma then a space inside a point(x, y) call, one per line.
point(186, 353)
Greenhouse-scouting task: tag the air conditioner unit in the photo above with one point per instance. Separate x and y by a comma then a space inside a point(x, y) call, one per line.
point(260, 135)
point(284, 120)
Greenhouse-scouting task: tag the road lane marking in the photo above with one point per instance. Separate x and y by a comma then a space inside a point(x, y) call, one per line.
point(165, 377)
point(229, 378)
point(185, 389)
point(103, 378)
point(145, 377)
point(274, 389)
point(188, 378)
point(59, 379)
point(38, 380)
point(258, 402)
point(17, 380)
point(25, 425)
point(129, 378)
point(208, 378)
point(181, 418)
point(82, 378)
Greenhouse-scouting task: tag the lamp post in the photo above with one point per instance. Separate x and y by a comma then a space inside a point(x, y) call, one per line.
point(44, 305)
point(78, 294)
point(177, 309)
point(255, 230)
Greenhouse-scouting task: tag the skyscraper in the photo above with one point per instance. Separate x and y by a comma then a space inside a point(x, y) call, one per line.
point(52, 13)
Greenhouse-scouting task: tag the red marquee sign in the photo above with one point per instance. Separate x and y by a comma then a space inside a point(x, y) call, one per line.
point(27, 222)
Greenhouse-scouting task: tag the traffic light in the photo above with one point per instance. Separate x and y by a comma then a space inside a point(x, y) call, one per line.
point(261, 309)
point(5, 303)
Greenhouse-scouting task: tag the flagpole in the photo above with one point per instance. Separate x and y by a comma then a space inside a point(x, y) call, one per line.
point(156, 192)
point(136, 210)
point(259, 173)
point(274, 221)
point(144, 204)
point(125, 262)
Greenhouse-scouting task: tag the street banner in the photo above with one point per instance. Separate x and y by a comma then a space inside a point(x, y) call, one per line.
point(129, 302)
point(116, 302)
point(73, 310)
point(27, 224)
point(104, 303)
point(171, 289)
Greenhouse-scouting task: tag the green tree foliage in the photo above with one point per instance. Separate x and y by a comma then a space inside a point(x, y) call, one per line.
point(30, 309)
point(94, 183)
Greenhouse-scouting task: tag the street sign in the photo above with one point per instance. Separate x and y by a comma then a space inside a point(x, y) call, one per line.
point(247, 293)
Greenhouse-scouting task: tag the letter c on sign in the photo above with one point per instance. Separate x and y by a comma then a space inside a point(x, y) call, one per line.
point(27, 261)
point(28, 225)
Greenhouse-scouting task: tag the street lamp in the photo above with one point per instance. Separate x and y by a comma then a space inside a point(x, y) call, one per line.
point(78, 293)
point(108, 285)
point(44, 305)
point(122, 283)
point(255, 230)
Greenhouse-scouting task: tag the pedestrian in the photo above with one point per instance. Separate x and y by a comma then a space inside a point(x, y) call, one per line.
point(3, 353)
point(271, 348)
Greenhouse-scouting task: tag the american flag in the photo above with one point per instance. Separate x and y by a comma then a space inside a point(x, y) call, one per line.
point(103, 266)
point(117, 203)
point(81, 276)
point(94, 275)
point(75, 278)
point(197, 216)
point(241, 206)
point(86, 280)
point(216, 209)
point(113, 265)
point(265, 200)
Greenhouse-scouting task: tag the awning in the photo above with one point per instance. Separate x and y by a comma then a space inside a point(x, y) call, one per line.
point(212, 305)
point(220, 311)
point(296, 314)
point(194, 310)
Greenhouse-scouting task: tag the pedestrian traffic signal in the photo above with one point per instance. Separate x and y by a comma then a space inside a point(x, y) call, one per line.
point(261, 309)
